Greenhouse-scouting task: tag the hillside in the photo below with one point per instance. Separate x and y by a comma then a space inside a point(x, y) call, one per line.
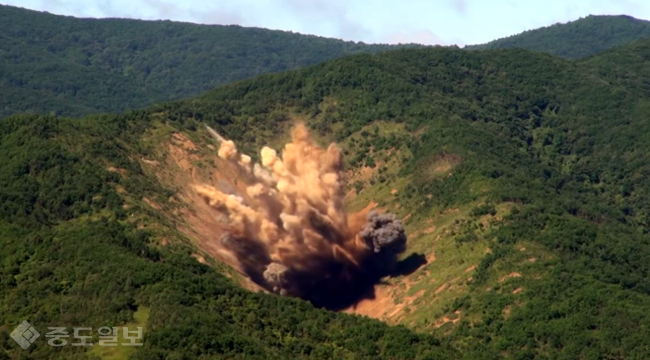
point(69, 66)
point(576, 39)
point(521, 179)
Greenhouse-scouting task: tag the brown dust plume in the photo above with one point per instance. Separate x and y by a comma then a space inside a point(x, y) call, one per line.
point(290, 231)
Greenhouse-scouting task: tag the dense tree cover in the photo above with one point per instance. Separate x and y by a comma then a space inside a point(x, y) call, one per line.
point(68, 66)
point(576, 39)
point(566, 141)
point(72, 66)
point(71, 258)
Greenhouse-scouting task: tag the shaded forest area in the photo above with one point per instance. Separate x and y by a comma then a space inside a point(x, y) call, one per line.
point(74, 67)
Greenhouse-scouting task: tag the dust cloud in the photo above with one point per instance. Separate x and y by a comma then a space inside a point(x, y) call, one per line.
point(290, 232)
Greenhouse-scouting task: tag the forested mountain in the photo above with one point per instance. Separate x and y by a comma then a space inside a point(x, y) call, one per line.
point(522, 179)
point(576, 39)
point(69, 66)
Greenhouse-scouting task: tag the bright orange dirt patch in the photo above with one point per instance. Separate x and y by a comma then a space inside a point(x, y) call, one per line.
point(376, 307)
point(383, 306)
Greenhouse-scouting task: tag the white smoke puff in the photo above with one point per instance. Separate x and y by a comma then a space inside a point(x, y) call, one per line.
point(384, 233)
point(228, 150)
point(269, 156)
point(263, 175)
point(291, 223)
point(256, 190)
point(245, 160)
point(276, 275)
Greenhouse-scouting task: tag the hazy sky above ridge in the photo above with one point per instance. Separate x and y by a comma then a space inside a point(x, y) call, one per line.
point(373, 21)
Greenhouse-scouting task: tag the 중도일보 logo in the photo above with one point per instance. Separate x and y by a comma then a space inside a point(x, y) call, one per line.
point(25, 335)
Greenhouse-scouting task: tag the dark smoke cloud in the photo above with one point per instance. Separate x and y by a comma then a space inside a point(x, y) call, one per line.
point(385, 240)
point(384, 233)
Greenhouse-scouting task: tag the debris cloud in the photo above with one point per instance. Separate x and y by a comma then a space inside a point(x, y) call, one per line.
point(289, 230)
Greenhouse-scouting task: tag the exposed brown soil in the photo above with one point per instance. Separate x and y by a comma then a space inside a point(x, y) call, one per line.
point(429, 230)
point(426, 231)
point(116, 170)
point(364, 173)
point(383, 305)
point(180, 170)
point(350, 195)
point(376, 307)
point(441, 288)
point(150, 162)
point(152, 203)
point(509, 276)
point(200, 258)
point(195, 218)
point(369, 207)
point(446, 319)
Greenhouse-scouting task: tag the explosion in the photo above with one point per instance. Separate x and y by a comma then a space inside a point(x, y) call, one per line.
point(290, 232)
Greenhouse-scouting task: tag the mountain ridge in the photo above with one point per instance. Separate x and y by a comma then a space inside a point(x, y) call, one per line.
point(576, 39)
point(111, 65)
point(137, 63)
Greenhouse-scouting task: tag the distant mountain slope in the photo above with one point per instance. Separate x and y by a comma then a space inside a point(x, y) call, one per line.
point(627, 65)
point(576, 39)
point(73, 66)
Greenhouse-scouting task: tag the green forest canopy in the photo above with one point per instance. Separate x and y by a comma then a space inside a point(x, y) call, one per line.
point(566, 141)
point(70, 66)
point(576, 39)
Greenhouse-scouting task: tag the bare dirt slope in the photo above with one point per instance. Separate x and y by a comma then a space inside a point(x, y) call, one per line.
point(418, 297)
